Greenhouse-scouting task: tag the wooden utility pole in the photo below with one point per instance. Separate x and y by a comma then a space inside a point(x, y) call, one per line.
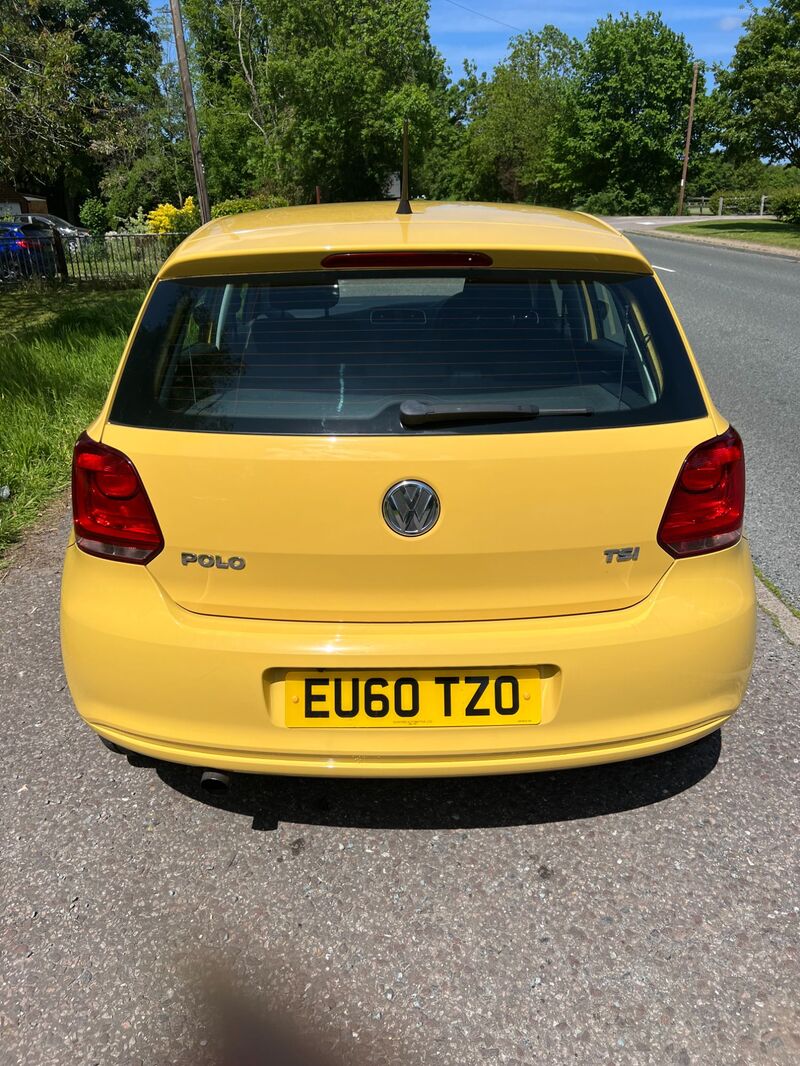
point(191, 117)
point(682, 193)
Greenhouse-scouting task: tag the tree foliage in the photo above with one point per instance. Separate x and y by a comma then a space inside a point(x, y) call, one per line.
point(41, 119)
point(144, 151)
point(88, 104)
point(116, 51)
point(294, 94)
point(786, 207)
point(238, 205)
point(313, 92)
point(762, 86)
point(509, 124)
point(94, 215)
point(624, 135)
point(447, 169)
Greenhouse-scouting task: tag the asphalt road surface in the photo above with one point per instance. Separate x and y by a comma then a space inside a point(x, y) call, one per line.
point(642, 913)
point(741, 312)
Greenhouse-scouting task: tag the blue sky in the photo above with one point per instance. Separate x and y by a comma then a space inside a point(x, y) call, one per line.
point(711, 29)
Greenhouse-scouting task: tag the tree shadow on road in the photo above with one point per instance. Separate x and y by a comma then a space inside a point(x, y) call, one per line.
point(456, 803)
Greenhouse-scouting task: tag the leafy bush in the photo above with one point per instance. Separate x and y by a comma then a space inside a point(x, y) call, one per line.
point(135, 224)
point(786, 207)
point(613, 201)
point(748, 202)
point(743, 202)
point(239, 205)
point(166, 218)
point(94, 215)
point(783, 179)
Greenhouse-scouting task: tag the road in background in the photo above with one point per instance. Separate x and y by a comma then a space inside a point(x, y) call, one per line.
point(641, 223)
point(741, 311)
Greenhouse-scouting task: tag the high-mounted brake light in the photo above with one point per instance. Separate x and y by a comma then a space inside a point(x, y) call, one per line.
point(706, 509)
point(112, 515)
point(360, 260)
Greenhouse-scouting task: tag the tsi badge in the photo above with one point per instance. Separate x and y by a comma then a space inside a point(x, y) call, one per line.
point(235, 562)
point(622, 555)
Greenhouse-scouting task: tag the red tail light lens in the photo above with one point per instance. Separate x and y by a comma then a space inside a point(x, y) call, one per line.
point(706, 508)
point(360, 260)
point(22, 244)
point(112, 515)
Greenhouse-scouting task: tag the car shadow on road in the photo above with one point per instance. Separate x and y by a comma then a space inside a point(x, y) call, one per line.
point(456, 802)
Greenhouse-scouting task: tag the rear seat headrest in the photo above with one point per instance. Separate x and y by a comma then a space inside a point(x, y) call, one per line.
point(303, 297)
point(487, 300)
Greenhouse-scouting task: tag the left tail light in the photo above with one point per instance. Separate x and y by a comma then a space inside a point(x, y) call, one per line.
point(112, 514)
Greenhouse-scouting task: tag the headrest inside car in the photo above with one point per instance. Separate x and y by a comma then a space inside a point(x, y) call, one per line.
point(303, 297)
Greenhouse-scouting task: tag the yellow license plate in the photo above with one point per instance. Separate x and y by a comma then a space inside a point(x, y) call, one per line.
point(395, 698)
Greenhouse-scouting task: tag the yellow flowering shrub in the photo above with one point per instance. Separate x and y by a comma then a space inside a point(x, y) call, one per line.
point(166, 218)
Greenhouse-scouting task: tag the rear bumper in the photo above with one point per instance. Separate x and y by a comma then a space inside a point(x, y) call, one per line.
point(208, 691)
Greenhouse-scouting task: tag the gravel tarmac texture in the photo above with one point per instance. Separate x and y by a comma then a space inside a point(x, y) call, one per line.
point(645, 912)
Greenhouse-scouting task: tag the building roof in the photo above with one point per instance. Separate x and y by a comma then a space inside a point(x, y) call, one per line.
point(296, 238)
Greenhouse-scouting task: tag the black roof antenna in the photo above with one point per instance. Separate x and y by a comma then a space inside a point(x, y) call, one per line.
point(404, 207)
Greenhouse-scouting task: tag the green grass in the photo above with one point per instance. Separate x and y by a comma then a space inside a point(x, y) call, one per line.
point(760, 231)
point(58, 351)
point(773, 588)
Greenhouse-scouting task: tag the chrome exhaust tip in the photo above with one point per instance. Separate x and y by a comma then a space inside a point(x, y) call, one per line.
point(215, 782)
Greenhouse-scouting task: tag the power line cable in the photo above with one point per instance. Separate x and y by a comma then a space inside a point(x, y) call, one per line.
point(480, 14)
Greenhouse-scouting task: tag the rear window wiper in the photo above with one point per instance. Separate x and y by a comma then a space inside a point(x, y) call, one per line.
point(418, 413)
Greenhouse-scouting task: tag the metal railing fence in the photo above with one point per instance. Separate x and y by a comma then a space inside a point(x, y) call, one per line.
point(744, 204)
point(112, 257)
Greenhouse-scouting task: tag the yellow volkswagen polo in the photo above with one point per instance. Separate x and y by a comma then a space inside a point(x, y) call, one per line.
point(407, 494)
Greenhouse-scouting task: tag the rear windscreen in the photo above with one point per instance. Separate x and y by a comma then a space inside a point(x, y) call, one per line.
point(325, 354)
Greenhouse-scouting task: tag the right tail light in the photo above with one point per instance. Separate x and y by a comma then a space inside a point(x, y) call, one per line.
point(706, 508)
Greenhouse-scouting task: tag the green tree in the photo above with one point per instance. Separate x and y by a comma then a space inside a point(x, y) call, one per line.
point(41, 117)
point(623, 135)
point(145, 153)
point(117, 53)
point(94, 215)
point(762, 85)
point(514, 133)
point(718, 172)
point(229, 42)
point(313, 92)
point(498, 141)
point(70, 75)
point(447, 170)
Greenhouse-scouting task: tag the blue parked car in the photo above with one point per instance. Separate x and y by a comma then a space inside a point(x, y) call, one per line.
point(25, 252)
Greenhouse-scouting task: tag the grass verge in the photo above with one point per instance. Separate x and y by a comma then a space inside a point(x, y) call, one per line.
point(776, 592)
point(755, 231)
point(58, 351)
